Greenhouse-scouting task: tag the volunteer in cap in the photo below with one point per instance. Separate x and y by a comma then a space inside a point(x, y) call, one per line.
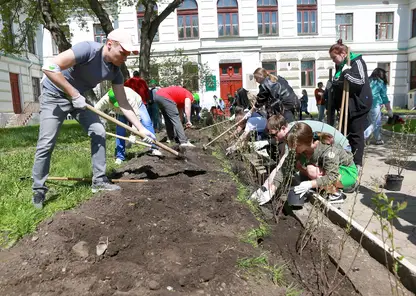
point(68, 76)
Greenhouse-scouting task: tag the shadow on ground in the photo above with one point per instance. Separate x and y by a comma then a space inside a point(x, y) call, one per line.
point(408, 214)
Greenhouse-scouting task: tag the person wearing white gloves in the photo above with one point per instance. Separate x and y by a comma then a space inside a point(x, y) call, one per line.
point(109, 102)
point(253, 122)
point(67, 77)
point(378, 84)
point(278, 129)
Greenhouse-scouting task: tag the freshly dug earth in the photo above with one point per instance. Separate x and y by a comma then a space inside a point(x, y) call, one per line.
point(178, 234)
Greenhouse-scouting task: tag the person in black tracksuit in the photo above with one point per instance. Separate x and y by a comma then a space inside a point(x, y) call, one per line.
point(360, 96)
point(276, 94)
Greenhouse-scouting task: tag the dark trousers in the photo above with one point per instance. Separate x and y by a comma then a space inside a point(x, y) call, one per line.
point(355, 135)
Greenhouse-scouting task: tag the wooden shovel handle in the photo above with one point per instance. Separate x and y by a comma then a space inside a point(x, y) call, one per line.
point(89, 180)
point(132, 130)
point(127, 139)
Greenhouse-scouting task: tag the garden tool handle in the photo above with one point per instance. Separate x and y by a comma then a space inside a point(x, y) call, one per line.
point(227, 130)
point(89, 179)
point(132, 130)
point(212, 125)
point(127, 139)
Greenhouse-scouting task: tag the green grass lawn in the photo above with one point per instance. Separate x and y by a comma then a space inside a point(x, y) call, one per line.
point(71, 158)
point(408, 128)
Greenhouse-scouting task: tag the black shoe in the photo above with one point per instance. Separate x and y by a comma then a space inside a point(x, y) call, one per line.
point(336, 198)
point(38, 199)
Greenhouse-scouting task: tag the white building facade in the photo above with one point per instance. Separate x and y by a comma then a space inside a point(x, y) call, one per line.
point(234, 37)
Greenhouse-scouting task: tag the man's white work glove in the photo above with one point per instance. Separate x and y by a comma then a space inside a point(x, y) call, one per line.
point(261, 195)
point(390, 113)
point(232, 117)
point(248, 115)
point(259, 145)
point(230, 150)
point(150, 137)
point(303, 187)
point(132, 139)
point(79, 102)
point(345, 67)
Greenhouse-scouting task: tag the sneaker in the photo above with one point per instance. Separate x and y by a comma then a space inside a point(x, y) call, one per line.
point(187, 145)
point(379, 142)
point(104, 185)
point(336, 198)
point(155, 152)
point(118, 161)
point(38, 199)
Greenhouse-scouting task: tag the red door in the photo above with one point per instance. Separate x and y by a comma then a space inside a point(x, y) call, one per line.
point(231, 79)
point(14, 84)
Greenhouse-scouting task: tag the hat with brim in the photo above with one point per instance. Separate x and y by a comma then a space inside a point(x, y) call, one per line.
point(125, 39)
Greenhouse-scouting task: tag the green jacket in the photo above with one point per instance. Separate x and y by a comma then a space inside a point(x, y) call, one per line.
point(327, 157)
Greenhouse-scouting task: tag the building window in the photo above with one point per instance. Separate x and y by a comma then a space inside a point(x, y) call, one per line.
point(67, 34)
point(307, 17)
point(384, 26)
point(31, 43)
point(413, 23)
point(99, 35)
point(308, 73)
point(188, 27)
point(385, 67)
point(267, 17)
point(190, 75)
point(270, 67)
point(140, 18)
point(413, 75)
point(344, 26)
point(36, 88)
point(227, 18)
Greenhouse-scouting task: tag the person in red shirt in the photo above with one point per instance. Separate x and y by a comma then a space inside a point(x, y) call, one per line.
point(139, 86)
point(172, 101)
point(320, 101)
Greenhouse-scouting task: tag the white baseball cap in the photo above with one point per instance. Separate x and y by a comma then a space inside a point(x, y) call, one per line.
point(125, 39)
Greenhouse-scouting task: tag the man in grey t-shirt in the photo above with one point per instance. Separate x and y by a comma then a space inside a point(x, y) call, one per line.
point(68, 75)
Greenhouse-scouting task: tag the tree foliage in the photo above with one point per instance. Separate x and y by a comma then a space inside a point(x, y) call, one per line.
point(178, 69)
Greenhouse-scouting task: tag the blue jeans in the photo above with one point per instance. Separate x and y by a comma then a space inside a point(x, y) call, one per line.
point(374, 117)
point(121, 131)
point(321, 111)
point(153, 110)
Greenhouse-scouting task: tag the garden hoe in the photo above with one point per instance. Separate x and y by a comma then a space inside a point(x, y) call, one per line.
point(134, 131)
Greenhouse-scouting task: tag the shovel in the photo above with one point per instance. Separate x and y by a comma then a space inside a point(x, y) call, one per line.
point(132, 130)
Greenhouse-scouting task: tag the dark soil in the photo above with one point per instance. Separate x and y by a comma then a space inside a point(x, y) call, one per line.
point(178, 234)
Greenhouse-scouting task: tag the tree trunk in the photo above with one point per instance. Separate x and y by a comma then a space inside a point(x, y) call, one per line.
point(52, 25)
point(149, 29)
point(58, 35)
point(107, 27)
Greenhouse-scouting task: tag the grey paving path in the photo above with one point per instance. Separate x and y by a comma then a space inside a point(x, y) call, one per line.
point(361, 206)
